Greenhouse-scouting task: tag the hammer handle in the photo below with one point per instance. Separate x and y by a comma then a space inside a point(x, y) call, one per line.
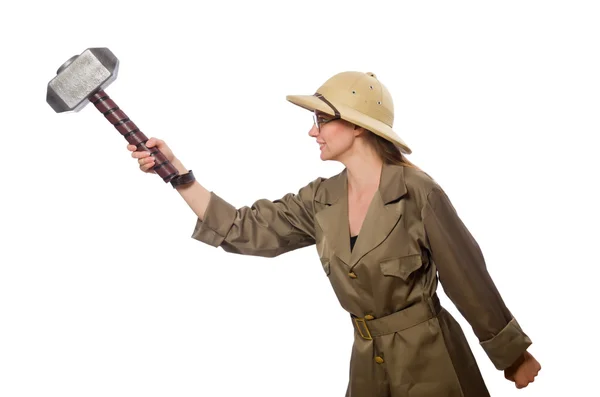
point(132, 134)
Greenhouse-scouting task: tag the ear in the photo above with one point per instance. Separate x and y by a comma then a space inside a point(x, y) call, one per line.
point(360, 130)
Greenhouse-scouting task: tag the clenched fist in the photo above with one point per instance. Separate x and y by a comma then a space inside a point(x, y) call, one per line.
point(523, 371)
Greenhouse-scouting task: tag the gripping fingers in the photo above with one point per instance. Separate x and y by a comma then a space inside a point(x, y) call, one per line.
point(140, 154)
point(146, 163)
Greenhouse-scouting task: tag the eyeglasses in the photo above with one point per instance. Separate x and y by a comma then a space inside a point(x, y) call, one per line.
point(319, 120)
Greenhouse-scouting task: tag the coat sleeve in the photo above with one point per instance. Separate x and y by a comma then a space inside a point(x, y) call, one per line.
point(466, 281)
point(266, 228)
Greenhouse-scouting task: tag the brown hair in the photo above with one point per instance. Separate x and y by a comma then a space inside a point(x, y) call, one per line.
point(388, 151)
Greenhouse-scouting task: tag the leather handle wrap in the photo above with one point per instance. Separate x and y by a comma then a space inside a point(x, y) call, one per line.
point(132, 134)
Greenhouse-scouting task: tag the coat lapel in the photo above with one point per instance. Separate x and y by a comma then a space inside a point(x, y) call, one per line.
point(383, 214)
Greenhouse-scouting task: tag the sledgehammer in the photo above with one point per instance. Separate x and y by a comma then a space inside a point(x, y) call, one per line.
point(83, 78)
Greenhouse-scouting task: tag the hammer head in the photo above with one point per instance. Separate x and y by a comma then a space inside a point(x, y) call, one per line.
point(80, 77)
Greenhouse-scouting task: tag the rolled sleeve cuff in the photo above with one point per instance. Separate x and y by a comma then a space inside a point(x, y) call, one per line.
point(217, 221)
point(506, 347)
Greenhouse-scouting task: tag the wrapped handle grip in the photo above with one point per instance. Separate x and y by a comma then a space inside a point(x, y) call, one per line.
point(132, 134)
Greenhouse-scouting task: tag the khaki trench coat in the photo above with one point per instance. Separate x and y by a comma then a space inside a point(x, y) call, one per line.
point(405, 344)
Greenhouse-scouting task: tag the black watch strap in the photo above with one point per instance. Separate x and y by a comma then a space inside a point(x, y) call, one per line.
point(183, 179)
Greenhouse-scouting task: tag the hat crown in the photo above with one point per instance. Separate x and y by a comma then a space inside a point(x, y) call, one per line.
point(361, 92)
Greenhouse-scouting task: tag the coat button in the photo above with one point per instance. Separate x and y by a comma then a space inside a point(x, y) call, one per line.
point(352, 275)
point(378, 360)
point(369, 317)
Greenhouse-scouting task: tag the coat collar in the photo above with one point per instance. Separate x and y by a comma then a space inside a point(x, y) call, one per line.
point(383, 214)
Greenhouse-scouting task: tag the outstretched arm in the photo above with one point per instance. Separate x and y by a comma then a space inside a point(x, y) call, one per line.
point(266, 228)
point(195, 195)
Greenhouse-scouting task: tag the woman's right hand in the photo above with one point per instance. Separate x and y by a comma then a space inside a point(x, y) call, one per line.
point(145, 160)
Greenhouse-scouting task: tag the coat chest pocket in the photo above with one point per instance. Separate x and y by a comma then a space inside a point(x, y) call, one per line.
point(401, 267)
point(326, 266)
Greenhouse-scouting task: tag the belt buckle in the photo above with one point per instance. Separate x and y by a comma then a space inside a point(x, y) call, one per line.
point(358, 321)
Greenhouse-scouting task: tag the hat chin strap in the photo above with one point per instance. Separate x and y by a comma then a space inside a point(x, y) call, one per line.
point(337, 114)
point(321, 97)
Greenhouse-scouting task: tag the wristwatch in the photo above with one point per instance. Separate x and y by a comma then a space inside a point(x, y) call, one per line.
point(183, 179)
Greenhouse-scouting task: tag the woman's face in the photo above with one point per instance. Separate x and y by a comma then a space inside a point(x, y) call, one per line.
point(334, 138)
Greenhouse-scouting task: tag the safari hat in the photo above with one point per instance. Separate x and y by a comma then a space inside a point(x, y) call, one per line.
point(358, 98)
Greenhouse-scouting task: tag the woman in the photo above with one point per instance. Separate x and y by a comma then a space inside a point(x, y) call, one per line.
point(384, 231)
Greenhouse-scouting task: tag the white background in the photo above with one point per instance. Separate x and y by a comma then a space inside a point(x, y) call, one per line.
point(104, 293)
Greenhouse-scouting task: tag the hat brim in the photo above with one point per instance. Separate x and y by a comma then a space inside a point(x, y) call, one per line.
point(312, 103)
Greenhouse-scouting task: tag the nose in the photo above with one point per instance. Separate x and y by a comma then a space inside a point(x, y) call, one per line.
point(314, 131)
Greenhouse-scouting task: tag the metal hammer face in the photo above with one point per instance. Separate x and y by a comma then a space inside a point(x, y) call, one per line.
point(80, 77)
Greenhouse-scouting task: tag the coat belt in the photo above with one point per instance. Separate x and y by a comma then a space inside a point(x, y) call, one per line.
point(398, 321)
